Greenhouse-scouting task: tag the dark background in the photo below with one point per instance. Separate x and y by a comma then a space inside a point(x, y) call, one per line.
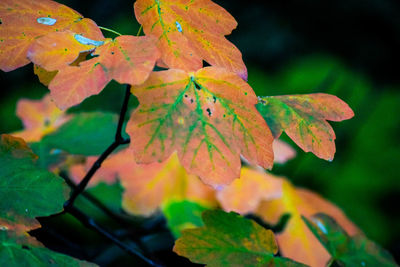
point(349, 48)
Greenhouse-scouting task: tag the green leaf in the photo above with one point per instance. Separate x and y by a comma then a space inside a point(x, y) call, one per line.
point(109, 195)
point(304, 119)
point(23, 250)
point(183, 215)
point(26, 191)
point(86, 134)
point(47, 155)
point(346, 250)
point(227, 239)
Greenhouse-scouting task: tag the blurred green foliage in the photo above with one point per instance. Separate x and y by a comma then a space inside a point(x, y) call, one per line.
point(363, 179)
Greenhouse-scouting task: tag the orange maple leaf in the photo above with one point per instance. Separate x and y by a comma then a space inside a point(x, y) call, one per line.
point(39, 117)
point(244, 195)
point(189, 32)
point(24, 21)
point(297, 241)
point(208, 117)
point(282, 151)
point(126, 59)
point(148, 187)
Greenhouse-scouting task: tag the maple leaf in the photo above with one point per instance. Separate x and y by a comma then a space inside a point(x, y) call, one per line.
point(208, 117)
point(20, 249)
point(84, 134)
point(245, 194)
point(282, 151)
point(24, 21)
point(304, 119)
point(297, 241)
point(39, 117)
point(126, 59)
point(26, 190)
point(345, 250)
point(44, 76)
point(189, 32)
point(182, 214)
point(148, 187)
point(230, 240)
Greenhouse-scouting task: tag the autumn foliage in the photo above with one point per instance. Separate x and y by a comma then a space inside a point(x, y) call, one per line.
point(199, 135)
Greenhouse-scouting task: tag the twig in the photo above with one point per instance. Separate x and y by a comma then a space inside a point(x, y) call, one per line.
point(119, 140)
point(90, 223)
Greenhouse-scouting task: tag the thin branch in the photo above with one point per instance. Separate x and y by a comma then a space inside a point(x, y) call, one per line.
point(119, 140)
point(90, 223)
point(122, 114)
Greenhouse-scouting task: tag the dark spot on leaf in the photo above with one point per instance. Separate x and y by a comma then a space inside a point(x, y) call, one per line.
point(224, 115)
point(25, 247)
point(215, 99)
point(245, 93)
point(1, 22)
point(186, 95)
point(112, 52)
point(209, 112)
point(191, 100)
point(197, 86)
point(46, 122)
point(66, 49)
point(263, 101)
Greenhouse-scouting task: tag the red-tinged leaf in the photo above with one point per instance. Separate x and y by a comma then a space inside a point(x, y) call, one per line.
point(244, 195)
point(23, 21)
point(208, 117)
point(126, 59)
point(44, 76)
point(39, 117)
point(57, 50)
point(297, 241)
point(282, 151)
point(304, 119)
point(148, 187)
point(190, 32)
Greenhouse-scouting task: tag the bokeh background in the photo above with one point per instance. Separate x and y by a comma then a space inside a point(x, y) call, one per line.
point(349, 48)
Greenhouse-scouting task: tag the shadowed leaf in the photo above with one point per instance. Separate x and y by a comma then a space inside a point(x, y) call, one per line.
point(18, 250)
point(85, 134)
point(347, 250)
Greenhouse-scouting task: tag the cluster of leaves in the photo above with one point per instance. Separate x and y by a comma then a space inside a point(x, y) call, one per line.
point(189, 135)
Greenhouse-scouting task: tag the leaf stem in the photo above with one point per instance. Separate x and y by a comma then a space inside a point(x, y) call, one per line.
point(140, 30)
point(109, 30)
